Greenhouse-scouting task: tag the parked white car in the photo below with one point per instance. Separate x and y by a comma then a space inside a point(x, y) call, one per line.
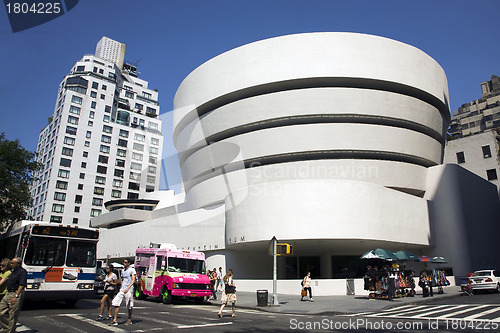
point(485, 279)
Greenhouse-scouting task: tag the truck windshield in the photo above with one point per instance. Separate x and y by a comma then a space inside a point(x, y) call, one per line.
point(182, 265)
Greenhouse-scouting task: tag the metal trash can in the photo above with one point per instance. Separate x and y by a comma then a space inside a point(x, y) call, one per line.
point(350, 287)
point(262, 297)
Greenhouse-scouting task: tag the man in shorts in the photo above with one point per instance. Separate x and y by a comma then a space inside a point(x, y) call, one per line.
point(126, 292)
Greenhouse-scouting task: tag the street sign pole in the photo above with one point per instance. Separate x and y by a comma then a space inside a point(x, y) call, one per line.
point(275, 273)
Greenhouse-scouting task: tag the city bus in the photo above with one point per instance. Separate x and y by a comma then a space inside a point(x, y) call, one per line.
point(60, 259)
point(165, 272)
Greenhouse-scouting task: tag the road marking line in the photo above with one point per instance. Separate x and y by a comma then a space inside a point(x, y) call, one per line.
point(93, 322)
point(483, 313)
point(437, 309)
point(472, 308)
point(204, 325)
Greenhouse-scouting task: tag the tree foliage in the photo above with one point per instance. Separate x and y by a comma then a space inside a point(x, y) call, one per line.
point(17, 166)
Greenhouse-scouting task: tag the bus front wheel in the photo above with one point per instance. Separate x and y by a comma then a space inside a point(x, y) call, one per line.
point(166, 296)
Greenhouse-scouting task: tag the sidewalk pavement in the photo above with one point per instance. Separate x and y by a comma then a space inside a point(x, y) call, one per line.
point(331, 305)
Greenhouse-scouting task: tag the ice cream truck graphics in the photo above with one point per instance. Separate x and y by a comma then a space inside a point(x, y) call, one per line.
point(165, 272)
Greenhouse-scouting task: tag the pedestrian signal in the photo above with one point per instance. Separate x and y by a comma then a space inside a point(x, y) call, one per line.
point(283, 249)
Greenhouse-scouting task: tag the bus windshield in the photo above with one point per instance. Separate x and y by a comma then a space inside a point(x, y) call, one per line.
point(81, 254)
point(45, 252)
point(182, 265)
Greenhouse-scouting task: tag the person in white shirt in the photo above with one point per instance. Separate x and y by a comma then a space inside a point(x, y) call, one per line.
point(126, 292)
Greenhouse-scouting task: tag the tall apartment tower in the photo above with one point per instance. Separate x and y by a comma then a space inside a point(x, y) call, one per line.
point(480, 115)
point(102, 142)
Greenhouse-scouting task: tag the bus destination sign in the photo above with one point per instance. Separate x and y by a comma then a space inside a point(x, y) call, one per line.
point(64, 232)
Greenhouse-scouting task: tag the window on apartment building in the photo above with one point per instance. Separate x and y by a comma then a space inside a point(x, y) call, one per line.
point(122, 143)
point(88, 135)
point(63, 173)
point(104, 149)
point(100, 180)
point(77, 209)
point(121, 152)
point(155, 141)
point(95, 85)
point(107, 109)
point(97, 202)
point(70, 130)
point(84, 165)
point(105, 138)
point(80, 68)
point(95, 212)
point(107, 129)
point(136, 156)
point(492, 174)
point(486, 151)
point(101, 169)
point(139, 137)
point(85, 154)
point(78, 199)
point(117, 183)
point(93, 94)
point(82, 175)
point(120, 163)
point(74, 109)
point(133, 186)
point(91, 114)
point(124, 133)
point(80, 186)
point(69, 141)
point(73, 120)
point(56, 219)
point(59, 196)
point(118, 173)
point(99, 190)
point(116, 194)
point(76, 99)
point(75, 220)
point(61, 185)
point(460, 157)
point(150, 188)
point(65, 162)
point(67, 151)
point(58, 208)
point(103, 159)
point(93, 105)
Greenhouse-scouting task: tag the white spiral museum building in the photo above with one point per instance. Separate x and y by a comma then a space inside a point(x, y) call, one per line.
point(332, 142)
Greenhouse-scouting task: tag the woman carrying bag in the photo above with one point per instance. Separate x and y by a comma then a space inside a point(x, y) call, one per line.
point(306, 286)
point(110, 282)
point(229, 293)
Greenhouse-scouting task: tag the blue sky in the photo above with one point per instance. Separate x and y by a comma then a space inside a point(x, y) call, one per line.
point(168, 39)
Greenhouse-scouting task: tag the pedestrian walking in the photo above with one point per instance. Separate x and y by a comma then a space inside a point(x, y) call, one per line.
point(306, 283)
point(229, 293)
point(126, 292)
point(4, 275)
point(219, 280)
point(110, 282)
point(11, 303)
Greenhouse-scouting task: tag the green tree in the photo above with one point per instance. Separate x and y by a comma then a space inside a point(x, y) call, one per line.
point(17, 166)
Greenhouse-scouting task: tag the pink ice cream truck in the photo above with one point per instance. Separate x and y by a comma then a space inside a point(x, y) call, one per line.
point(165, 272)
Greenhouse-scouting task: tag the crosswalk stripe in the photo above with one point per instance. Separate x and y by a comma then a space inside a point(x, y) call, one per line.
point(92, 322)
point(426, 312)
point(205, 325)
point(471, 308)
point(480, 314)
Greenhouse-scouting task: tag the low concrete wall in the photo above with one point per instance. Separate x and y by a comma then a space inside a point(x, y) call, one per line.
point(322, 287)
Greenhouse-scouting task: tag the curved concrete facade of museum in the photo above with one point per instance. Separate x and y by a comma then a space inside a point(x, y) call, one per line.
point(332, 142)
point(323, 136)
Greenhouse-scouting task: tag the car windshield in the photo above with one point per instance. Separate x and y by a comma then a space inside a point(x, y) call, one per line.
point(486, 273)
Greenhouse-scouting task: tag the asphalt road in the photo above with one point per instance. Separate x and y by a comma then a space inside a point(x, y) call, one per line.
point(459, 314)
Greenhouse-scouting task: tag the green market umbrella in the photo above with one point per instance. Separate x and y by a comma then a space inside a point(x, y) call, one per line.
point(406, 255)
point(439, 260)
point(379, 254)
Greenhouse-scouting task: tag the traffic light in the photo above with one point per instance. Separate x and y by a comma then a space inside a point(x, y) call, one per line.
point(284, 249)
